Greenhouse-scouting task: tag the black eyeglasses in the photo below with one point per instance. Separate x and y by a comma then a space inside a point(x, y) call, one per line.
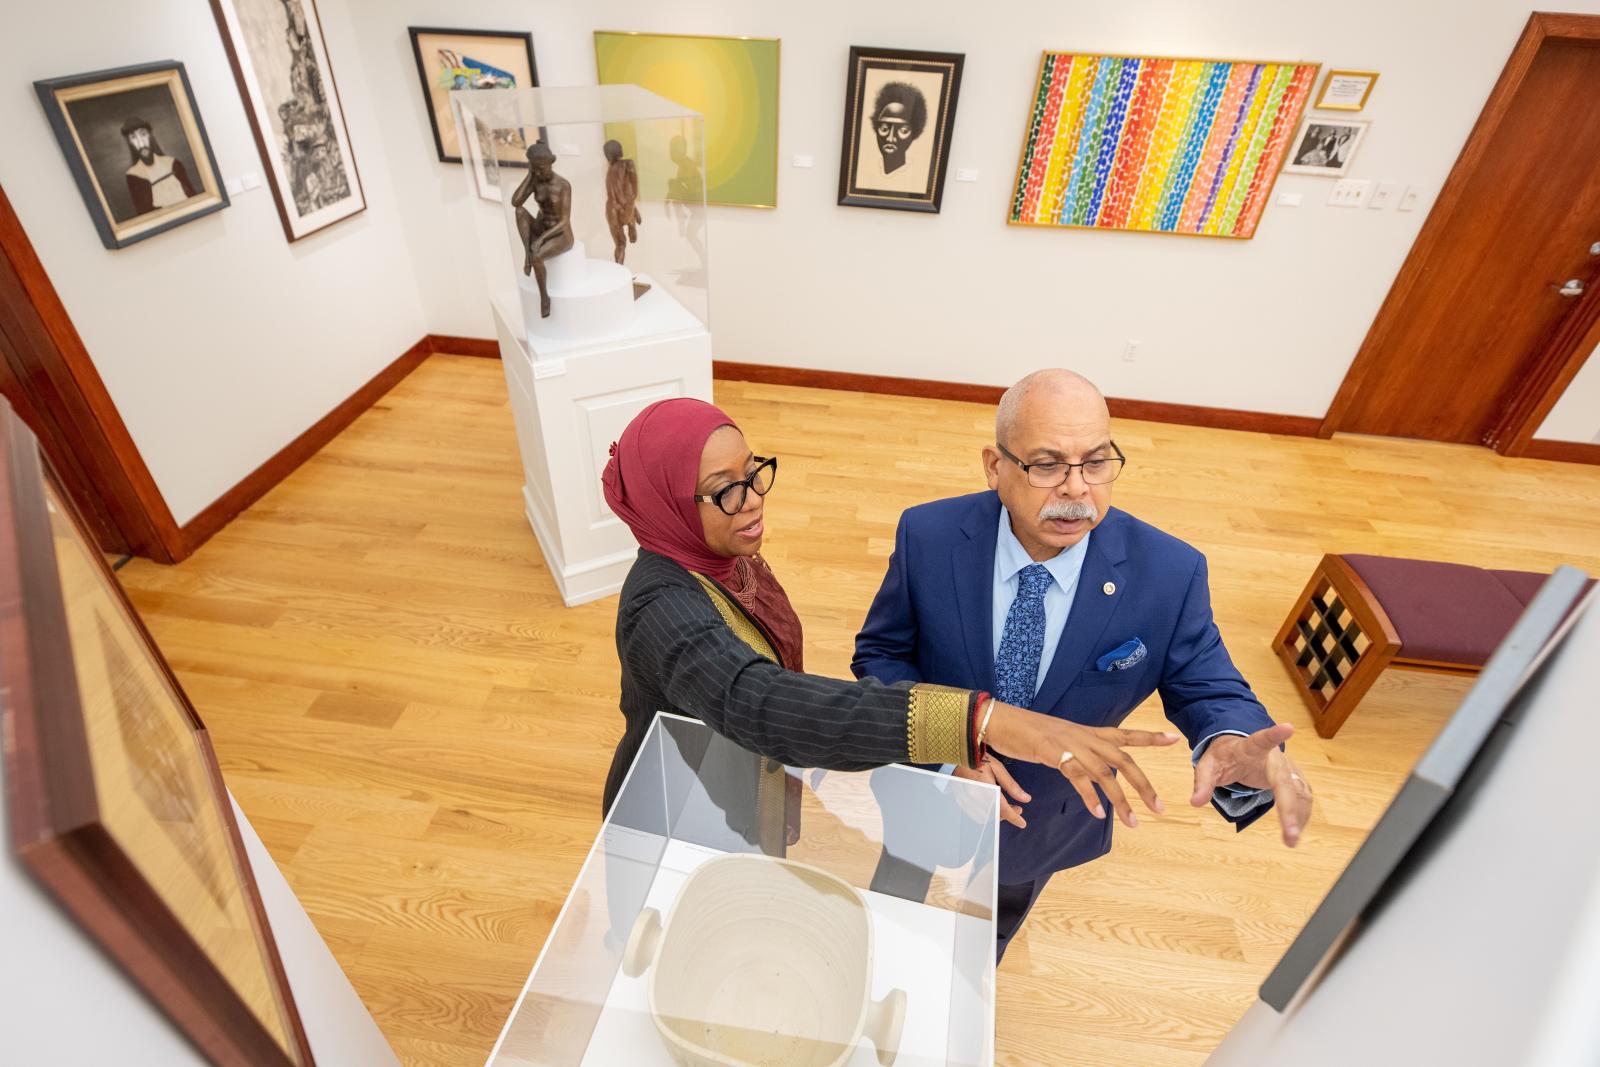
point(1051, 472)
point(731, 497)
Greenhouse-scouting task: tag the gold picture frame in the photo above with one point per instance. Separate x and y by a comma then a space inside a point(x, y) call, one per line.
point(1345, 90)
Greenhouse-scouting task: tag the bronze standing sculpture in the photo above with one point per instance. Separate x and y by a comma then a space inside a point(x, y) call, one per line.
point(550, 232)
point(622, 200)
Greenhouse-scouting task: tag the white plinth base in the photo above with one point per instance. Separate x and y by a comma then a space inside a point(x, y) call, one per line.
point(589, 299)
point(571, 398)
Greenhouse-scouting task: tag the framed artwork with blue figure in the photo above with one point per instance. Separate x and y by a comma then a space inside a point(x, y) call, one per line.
point(450, 60)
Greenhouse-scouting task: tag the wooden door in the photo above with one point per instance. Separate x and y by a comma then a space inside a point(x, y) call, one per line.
point(47, 375)
point(1487, 320)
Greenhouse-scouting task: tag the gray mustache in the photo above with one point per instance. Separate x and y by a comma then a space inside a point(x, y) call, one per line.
point(1068, 511)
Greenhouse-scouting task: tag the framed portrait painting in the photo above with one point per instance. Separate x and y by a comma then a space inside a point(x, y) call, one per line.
point(448, 60)
point(1326, 146)
point(116, 805)
point(136, 147)
point(731, 81)
point(281, 64)
point(899, 110)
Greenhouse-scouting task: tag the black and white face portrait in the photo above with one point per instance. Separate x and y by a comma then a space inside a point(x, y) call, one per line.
point(899, 115)
point(137, 135)
point(897, 131)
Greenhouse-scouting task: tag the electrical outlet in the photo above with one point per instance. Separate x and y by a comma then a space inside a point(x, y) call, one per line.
point(1409, 198)
point(1384, 195)
point(1129, 351)
point(804, 161)
point(1349, 192)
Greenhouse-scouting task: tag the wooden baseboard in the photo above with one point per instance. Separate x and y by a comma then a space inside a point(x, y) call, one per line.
point(443, 344)
point(200, 529)
point(1566, 451)
point(1150, 410)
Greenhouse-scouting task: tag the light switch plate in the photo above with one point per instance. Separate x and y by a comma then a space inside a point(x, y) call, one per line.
point(1349, 192)
point(1385, 194)
point(1409, 198)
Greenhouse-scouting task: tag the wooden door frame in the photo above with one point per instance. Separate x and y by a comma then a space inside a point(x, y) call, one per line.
point(1561, 360)
point(81, 427)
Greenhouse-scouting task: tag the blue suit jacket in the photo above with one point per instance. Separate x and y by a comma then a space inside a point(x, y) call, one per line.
point(932, 621)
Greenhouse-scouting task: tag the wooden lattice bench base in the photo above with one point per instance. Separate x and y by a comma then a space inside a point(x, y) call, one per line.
point(1360, 615)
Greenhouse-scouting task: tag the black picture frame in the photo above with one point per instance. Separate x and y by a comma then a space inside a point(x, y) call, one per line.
point(82, 110)
point(867, 171)
point(437, 104)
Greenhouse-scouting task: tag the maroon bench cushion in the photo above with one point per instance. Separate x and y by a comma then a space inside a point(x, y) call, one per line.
point(1446, 612)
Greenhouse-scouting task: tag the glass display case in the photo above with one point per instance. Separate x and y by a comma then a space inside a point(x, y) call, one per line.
point(735, 911)
point(627, 172)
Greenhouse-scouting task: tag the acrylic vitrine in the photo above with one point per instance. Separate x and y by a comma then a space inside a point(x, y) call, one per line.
point(660, 287)
point(735, 911)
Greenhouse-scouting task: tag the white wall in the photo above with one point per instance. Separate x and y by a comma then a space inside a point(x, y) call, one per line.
point(1269, 324)
point(1576, 416)
point(219, 341)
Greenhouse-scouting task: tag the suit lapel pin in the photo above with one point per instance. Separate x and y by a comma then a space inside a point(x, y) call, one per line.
point(1109, 588)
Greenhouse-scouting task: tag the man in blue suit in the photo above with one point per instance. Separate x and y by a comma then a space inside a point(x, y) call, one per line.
point(1043, 595)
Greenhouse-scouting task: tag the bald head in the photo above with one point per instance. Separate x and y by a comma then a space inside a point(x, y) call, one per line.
point(1055, 389)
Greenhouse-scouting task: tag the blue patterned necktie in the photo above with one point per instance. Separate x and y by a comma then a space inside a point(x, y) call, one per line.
point(1016, 667)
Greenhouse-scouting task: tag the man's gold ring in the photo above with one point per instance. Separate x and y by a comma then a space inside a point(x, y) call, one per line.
point(1065, 756)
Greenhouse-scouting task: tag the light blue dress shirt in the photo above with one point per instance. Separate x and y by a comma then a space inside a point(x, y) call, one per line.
point(1066, 567)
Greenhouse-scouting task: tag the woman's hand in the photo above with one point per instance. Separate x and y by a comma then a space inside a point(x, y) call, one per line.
point(995, 773)
point(1086, 755)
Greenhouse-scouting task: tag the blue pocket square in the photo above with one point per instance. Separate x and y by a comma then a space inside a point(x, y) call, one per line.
point(1128, 654)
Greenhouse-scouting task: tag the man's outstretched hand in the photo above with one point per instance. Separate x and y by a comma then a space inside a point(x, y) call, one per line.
point(1257, 761)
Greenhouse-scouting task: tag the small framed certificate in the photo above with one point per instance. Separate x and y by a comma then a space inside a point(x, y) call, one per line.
point(1346, 90)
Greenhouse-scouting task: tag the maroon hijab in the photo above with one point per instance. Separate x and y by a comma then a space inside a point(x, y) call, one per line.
point(650, 484)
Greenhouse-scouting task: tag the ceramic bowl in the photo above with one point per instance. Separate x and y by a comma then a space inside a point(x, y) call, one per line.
point(763, 962)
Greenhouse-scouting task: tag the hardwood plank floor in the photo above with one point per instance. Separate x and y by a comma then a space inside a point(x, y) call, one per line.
point(419, 729)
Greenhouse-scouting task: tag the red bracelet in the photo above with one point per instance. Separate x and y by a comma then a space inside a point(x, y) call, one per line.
point(978, 751)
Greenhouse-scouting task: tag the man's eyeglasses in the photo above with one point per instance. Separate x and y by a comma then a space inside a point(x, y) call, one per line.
point(730, 498)
point(1051, 473)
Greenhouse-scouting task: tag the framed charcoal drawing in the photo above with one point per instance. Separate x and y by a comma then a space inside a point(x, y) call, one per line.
point(116, 804)
point(448, 60)
point(136, 147)
point(281, 64)
point(899, 110)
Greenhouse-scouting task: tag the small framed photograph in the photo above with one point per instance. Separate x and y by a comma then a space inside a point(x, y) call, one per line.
point(1346, 90)
point(1325, 146)
point(899, 111)
point(448, 60)
point(136, 147)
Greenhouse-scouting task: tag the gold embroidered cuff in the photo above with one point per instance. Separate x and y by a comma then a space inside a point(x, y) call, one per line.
point(936, 724)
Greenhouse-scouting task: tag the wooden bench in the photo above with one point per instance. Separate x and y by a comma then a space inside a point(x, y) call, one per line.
point(1359, 615)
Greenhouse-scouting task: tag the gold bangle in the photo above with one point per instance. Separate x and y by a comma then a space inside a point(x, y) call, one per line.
point(983, 729)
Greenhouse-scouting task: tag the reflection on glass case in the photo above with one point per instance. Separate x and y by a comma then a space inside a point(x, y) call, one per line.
point(737, 912)
point(597, 235)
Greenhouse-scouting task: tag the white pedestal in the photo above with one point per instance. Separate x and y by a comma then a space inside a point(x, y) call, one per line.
point(590, 299)
point(571, 398)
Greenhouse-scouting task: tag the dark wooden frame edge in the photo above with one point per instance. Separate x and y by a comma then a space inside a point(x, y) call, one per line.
point(422, 76)
point(55, 817)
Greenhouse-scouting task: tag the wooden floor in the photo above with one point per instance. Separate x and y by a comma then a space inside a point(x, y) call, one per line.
point(419, 729)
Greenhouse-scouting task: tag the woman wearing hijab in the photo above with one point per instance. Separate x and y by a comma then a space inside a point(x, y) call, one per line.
point(705, 629)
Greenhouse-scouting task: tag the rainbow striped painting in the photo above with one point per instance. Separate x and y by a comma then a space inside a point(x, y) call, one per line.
point(1186, 146)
